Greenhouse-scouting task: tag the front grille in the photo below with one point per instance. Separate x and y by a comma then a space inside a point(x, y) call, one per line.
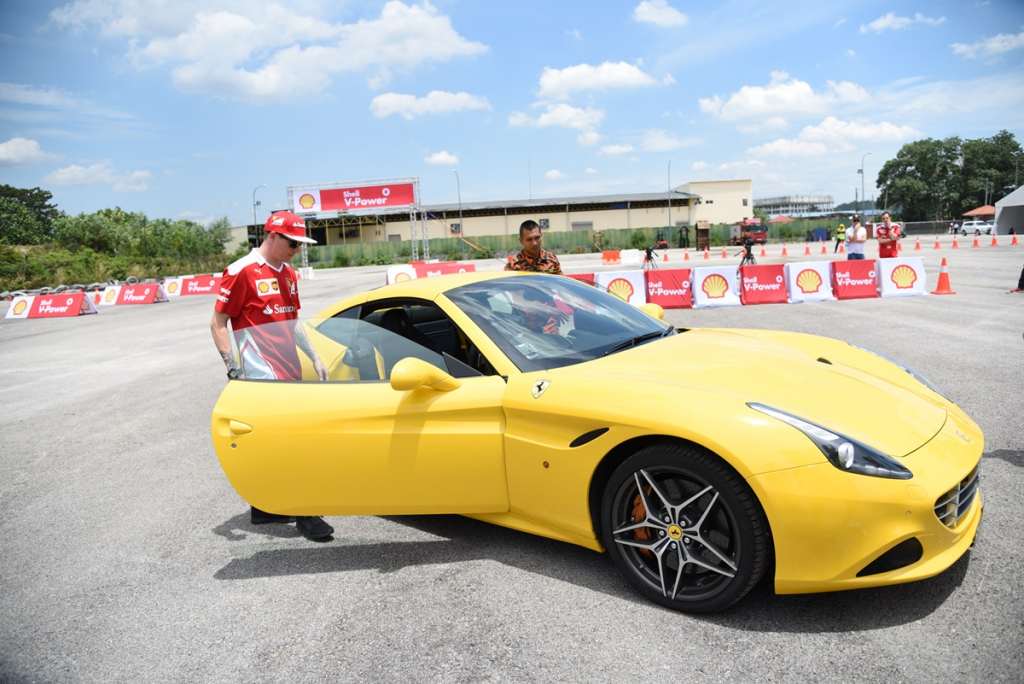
point(954, 504)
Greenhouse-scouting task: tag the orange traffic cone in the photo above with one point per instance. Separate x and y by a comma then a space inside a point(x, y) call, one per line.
point(664, 257)
point(943, 287)
point(1013, 242)
point(937, 245)
point(956, 245)
point(707, 255)
point(823, 250)
point(764, 253)
point(917, 245)
point(976, 243)
point(842, 248)
point(807, 249)
point(725, 253)
point(994, 243)
point(785, 252)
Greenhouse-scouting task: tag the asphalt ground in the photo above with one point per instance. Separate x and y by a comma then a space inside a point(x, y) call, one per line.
point(126, 556)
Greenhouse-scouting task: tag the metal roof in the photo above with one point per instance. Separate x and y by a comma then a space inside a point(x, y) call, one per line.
point(556, 201)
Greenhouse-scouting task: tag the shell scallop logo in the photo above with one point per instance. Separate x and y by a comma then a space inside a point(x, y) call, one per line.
point(306, 201)
point(903, 276)
point(172, 287)
point(20, 306)
point(715, 286)
point(621, 288)
point(808, 280)
point(402, 277)
point(109, 295)
point(264, 288)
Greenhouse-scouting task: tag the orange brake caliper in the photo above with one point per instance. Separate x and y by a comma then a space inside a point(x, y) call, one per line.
point(638, 515)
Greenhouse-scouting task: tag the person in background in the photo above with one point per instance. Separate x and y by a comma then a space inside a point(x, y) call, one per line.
point(888, 235)
point(533, 257)
point(840, 236)
point(856, 236)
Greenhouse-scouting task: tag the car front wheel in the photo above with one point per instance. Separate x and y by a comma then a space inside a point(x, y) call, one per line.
point(684, 529)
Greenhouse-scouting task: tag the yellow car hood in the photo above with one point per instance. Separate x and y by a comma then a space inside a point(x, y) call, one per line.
point(855, 392)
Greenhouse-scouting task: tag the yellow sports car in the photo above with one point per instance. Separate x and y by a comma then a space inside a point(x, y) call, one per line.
point(699, 459)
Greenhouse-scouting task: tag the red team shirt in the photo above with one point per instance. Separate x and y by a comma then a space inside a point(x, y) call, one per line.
point(883, 233)
point(261, 301)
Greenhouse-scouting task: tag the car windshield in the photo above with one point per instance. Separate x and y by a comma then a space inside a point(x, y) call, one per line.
point(543, 322)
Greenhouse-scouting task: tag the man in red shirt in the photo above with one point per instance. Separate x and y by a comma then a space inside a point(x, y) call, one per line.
point(888, 234)
point(259, 297)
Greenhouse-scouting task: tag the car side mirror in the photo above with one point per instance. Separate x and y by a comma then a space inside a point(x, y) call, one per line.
point(653, 310)
point(412, 373)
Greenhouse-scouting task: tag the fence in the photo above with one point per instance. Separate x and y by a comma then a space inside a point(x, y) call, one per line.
point(560, 242)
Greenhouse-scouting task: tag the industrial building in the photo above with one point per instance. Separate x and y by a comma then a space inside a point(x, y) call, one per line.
point(727, 201)
point(795, 205)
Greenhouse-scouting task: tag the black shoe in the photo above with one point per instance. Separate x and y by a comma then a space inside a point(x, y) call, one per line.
point(313, 528)
point(258, 517)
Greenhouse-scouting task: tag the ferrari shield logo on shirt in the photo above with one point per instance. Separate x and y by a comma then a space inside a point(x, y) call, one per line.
point(266, 287)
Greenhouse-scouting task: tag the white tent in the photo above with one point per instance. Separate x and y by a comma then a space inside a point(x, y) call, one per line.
point(1010, 213)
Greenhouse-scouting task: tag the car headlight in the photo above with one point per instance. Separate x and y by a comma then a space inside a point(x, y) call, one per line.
point(910, 371)
point(841, 451)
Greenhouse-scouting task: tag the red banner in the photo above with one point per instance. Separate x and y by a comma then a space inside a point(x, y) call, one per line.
point(669, 288)
point(200, 285)
point(60, 305)
point(587, 278)
point(856, 279)
point(442, 268)
point(367, 197)
point(764, 284)
point(140, 293)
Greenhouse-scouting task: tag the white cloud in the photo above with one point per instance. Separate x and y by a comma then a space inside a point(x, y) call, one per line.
point(850, 52)
point(659, 13)
point(559, 84)
point(784, 95)
point(263, 51)
point(52, 98)
point(18, 151)
point(434, 102)
point(834, 135)
point(100, 174)
point(588, 138)
point(615, 150)
point(590, 171)
point(442, 158)
point(574, 34)
point(554, 174)
point(991, 46)
point(892, 22)
point(561, 116)
point(839, 22)
point(657, 140)
point(698, 166)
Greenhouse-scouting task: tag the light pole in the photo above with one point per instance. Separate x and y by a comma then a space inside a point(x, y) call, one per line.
point(861, 172)
point(255, 204)
point(670, 194)
point(458, 189)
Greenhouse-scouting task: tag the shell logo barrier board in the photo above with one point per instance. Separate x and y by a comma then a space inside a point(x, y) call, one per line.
point(809, 281)
point(901, 277)
point(715, 286)
point(626, 285)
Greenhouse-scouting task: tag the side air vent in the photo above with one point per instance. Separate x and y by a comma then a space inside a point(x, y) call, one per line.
point(900, 556)
point(822, 359)
point(587, 437)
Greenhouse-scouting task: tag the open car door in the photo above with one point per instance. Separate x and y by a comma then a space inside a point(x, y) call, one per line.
point(355, 444)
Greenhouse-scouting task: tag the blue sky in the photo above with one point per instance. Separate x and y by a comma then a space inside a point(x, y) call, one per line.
point(180, 109)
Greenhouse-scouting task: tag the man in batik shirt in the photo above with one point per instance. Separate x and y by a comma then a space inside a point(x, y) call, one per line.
point(533, 257)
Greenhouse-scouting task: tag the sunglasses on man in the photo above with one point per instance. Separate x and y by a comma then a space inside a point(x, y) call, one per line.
point(291, 243)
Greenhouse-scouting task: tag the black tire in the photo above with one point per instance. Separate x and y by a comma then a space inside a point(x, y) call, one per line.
point(713, 557)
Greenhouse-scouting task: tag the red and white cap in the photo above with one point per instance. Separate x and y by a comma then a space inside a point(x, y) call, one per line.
point(288, 224)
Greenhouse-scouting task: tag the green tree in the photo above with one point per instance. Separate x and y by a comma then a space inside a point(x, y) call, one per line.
point(19, 225)
point(35, 200)
point(940, 179)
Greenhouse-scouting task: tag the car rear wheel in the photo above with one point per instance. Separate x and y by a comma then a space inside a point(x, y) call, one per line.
point(684, 529)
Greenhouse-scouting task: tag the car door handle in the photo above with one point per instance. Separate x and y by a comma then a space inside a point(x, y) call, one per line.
point(237, 427)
